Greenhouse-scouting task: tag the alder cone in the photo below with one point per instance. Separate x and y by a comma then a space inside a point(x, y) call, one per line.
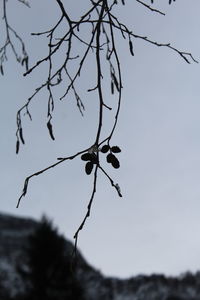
point(105, 149)
point(115, 163)
point(94, 158)
point(86, 156)
point(109, 158)
point(115, 149)
point(112, 159)
point(88, 167)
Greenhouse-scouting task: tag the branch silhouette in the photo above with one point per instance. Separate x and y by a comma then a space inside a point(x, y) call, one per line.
point(100, 40)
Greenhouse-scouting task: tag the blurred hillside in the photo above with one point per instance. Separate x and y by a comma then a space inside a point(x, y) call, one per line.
point(29, 249)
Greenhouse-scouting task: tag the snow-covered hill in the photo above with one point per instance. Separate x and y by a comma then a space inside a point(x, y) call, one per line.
point(14, 233)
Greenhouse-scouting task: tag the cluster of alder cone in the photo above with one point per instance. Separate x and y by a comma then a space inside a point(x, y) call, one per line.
point(92, 158)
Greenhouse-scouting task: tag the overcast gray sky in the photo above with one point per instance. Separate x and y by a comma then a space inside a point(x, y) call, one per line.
point(155, 227)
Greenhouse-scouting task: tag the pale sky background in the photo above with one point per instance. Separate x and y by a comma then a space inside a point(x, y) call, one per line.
point(155, 227)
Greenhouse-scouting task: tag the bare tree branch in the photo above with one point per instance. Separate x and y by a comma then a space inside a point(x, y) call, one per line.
point(101, 27)
point(11, 37)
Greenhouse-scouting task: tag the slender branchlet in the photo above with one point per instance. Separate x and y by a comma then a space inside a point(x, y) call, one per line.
point(11, 39)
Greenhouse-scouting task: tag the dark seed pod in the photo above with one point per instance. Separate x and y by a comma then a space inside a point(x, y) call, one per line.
point(110, 157)
point(112, 87)
point(115, 149)
point(94, 158)
point(49, 126)
point(131, 47)
point(105, 149)
point(26, 63)
point(88, 167)
point(115, 81)
point(1, 70)
point(115, 163)
point(21, 135)
point(17, 146)
point(86, 156)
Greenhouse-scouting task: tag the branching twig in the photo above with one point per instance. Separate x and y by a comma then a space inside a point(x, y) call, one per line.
point(21, 57)
point(61, 160)
point(150, 8)
point(103, 28)
point(88, 207)
point(115, 185)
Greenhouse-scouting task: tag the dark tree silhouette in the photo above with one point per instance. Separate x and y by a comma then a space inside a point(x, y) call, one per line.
point(98, 31)
point(49, 275)
point(4, 293)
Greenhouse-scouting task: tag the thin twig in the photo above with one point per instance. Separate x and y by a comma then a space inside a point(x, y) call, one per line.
point(150, 8)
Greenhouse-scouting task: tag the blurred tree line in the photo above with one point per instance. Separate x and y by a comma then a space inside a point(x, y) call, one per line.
point(48, 273)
